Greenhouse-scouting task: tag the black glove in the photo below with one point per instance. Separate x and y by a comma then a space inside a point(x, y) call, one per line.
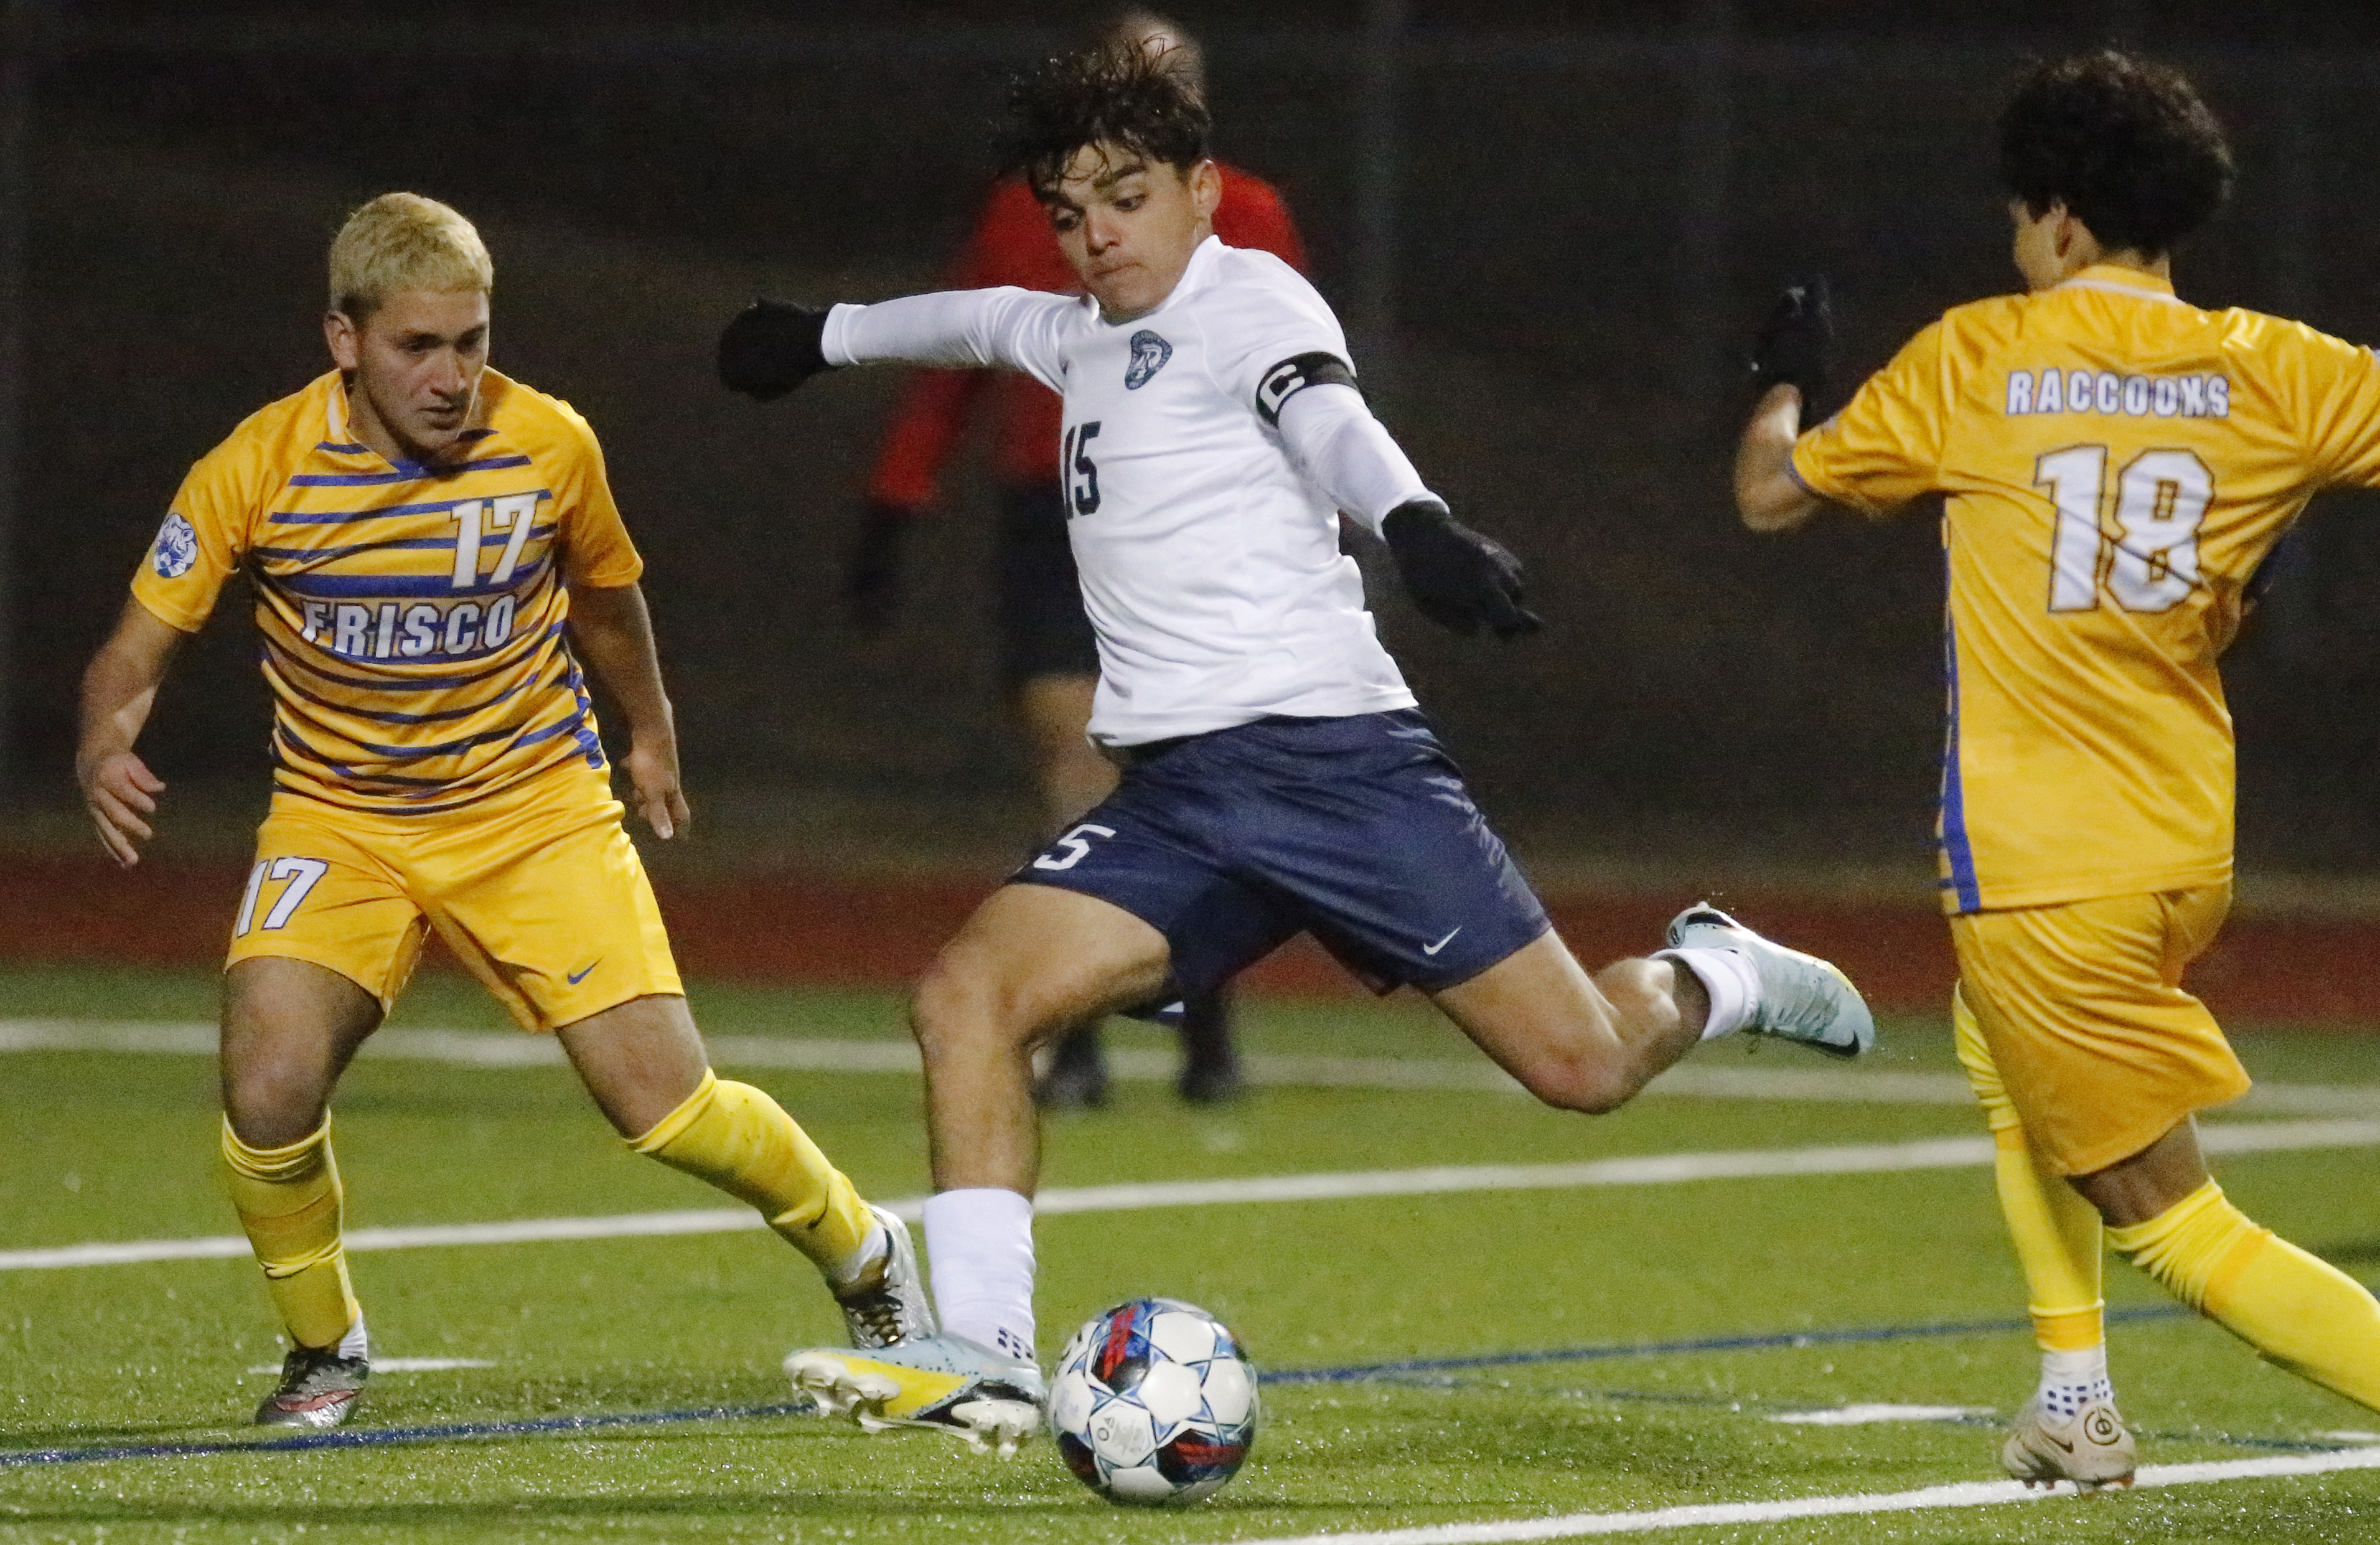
point(1458, 579)
point(1797, 344)
point(872, 580)
point(772, 348)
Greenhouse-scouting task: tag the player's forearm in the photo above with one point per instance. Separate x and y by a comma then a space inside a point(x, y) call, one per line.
point(116, 697)
point(1349, 455)
point(612, 630)
point(961, 328)
point(1768, 495)
point(120, 684)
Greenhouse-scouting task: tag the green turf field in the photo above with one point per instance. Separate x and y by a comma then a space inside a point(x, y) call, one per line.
point(118, 1146)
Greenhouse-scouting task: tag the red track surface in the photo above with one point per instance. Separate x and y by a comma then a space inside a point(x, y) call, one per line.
point(854, 933)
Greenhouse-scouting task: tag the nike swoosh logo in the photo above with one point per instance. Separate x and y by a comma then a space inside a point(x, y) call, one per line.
point(1433, 949)
point(580, 975)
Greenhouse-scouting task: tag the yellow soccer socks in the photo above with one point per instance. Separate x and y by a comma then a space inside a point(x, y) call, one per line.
point(2298, 1312)
point(740, 1140)
point(2056, 1236)
point(289, 1202)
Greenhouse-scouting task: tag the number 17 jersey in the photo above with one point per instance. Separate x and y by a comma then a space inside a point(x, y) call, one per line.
point(2114, 464)
point(412, 616)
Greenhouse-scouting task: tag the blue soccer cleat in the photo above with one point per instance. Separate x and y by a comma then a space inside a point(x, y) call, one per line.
point(1802, 997)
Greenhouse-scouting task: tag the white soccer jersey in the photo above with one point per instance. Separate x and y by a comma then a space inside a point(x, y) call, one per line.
point(1210, 564)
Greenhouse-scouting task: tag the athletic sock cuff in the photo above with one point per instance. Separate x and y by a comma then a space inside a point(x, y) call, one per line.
point(992, 1207)
point(278, 1166)
point(2071, 1333)
point(1728, 978)
point(2194, 1244)
point(2157, 1237)
point(689, 1111)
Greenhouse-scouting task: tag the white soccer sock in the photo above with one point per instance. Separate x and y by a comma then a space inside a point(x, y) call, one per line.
point(871, 1249)
point(356, 1342)
point(979, 1246)
point(2070, 1381)
point(1727, 976)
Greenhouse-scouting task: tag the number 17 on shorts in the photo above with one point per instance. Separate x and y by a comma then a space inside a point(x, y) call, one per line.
point(296, 876)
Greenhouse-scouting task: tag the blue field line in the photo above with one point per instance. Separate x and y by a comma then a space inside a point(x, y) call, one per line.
point(1786, 1339)
point(385, 1437)
point(358, 1438)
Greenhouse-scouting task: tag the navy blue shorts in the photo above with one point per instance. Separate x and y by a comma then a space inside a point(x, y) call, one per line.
point(1356, 829)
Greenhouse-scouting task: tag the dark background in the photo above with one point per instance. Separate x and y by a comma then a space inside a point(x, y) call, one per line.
point(1552, 225)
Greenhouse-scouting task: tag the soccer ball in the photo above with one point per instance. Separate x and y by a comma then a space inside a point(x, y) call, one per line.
point(1154, 1402)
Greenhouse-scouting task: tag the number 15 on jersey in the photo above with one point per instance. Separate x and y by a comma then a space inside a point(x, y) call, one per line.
point(1080, 473)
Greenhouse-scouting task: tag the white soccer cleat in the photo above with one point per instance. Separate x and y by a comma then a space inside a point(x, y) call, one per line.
point(943, 1382)
point(2092, 1448)
point(1803, 998)
point(886, 1305)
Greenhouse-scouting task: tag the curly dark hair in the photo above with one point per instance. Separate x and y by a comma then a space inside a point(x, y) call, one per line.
point(1116, 94)
point(2123, 142)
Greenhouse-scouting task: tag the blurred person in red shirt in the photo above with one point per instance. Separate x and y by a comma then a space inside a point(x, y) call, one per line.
point(1050, 661)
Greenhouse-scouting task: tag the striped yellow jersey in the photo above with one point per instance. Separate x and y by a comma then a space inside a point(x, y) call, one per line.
point(412, 616)
point(2115, 465)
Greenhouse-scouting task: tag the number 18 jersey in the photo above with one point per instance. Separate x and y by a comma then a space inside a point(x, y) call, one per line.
point(2115, 465)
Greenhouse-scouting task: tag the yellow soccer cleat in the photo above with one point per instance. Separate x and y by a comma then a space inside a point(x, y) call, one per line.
point(2092, 1448)
point(942, 1382)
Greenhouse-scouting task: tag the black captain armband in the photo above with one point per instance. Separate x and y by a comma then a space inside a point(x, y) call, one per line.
point(1294, 375)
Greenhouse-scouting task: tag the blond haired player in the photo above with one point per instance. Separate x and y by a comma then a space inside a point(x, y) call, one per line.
point(434, 549)
point(2116, 464)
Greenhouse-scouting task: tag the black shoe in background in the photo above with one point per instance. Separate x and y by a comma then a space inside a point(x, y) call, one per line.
point(1210, 1067)
point(1077, 1078)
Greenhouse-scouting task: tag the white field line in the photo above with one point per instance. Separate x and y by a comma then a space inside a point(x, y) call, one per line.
point(1938, 1154)
point(1848, 1416)
point(1981, 1493)
point(482, 1048)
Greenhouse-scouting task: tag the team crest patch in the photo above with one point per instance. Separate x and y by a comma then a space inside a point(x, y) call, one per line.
point(1150, 353)
point(177, 548)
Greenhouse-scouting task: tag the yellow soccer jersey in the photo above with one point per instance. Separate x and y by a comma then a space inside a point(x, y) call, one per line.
point(412, 616)
point(2114, 464)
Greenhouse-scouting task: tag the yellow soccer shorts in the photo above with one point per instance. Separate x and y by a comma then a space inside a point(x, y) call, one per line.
point(536, 889)
point(2077, 1011)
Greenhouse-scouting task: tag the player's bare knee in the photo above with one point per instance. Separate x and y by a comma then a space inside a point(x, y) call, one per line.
point(959, 1005)
point(1593, 1096)
point(1585, 1086)
point(272, 1099)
